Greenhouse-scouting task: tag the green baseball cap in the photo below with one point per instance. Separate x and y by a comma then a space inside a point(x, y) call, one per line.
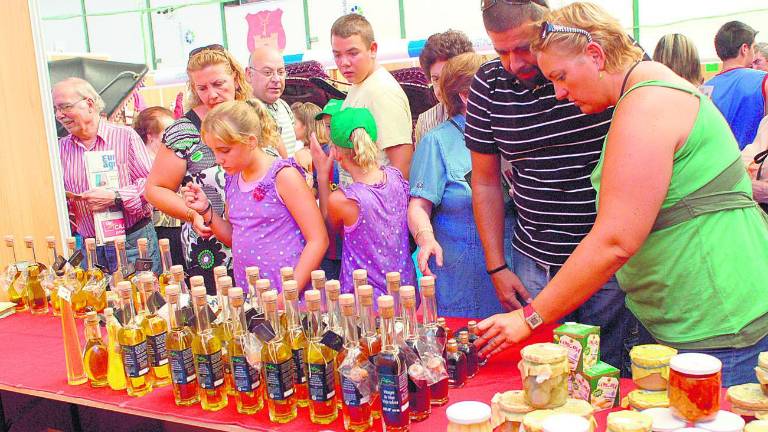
point(344, 122)
point(332, 107)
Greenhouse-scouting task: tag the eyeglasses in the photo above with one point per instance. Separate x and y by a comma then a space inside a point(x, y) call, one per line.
point(270, 73)
point(549, 28)
point(487, 4)
point(66, 107)
point(212, 47)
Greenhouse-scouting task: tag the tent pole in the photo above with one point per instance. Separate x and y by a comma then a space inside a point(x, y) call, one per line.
point(636, 19)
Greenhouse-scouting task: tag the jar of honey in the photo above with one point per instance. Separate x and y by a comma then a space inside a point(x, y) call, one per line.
point(650, 366)
point(469, 416)
point(694, 386)
point(629, 421)
point(544, 369)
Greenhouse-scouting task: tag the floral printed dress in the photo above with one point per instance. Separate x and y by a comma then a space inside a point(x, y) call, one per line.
point(201, 255)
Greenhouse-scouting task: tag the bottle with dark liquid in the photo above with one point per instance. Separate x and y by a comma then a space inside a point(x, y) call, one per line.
point(429, 310)
point(473, 336)
point(247, 379)
point(206, 346)
point(471, 352)
point(95, 354)
point(353, 367)
point(321, 361)
point(419, 393)
point(298, 340)
point(457, 365)
point(392, 371)
point(369, 336)
point(277, 359)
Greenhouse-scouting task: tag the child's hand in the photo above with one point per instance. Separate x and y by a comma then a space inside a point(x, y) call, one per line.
point(194, 197)
point(323, 163)
point(198, 224)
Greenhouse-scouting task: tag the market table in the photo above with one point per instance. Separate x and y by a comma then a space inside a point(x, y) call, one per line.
point(32, 363)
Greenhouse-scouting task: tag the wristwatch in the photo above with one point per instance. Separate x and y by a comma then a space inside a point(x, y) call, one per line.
point(532, 317)
point(118, 200)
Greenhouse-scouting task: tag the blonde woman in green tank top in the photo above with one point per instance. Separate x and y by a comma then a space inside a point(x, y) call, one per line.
point(676, 221)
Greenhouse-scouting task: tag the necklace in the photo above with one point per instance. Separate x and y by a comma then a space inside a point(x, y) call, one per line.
point(626, 78)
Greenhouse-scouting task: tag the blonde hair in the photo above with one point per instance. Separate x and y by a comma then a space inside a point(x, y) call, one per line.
point(305, 112)
point(679, 53)
point(211, 57)
point(456, 78)
point(234, 122)
point(605, 30)
point(364, 153)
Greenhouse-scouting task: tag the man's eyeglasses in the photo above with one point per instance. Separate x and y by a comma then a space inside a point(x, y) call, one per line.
point(487, 4)
point(212, 47)
point(66, 107)
point(549, 28)
point(270, 73)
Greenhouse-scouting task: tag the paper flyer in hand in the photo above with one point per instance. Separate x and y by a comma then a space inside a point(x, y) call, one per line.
point(102, 172)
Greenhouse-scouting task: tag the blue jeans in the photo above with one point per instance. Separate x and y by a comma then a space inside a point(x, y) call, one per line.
point(108, 257)
point(738, 363)
point(619, 329)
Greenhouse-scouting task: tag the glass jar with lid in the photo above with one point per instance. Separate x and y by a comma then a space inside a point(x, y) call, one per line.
point(534, 420)
point(544, 370)
point(663, 420)
point(508, 410)
point(580, 408)
point(757, 426)
point(650, 366)
point(469, 416)
point(724, 421)
point(629, 421)
point(694, 386)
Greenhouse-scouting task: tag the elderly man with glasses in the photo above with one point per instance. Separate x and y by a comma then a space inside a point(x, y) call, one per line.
point(78, 108)
point(266, 73)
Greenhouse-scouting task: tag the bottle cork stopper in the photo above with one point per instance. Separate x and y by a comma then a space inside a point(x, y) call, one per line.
point(109, 312)
point(386, 306)
point(51, 240)
point(360, 274)
point(146, 277)
point(269, 299)
point(441, 321)
point(463, 336)
point(91, 317)
point(90, 244)
point(332, 286)
point(124, 288)
point(142, 243)
point(219, 271)
point(286, 272)
point(120, 241)
point(452, 346)
point(312, 298)
point(172, 290)
point(290, 290)
point(252, 272)
point(365, 295)
point(198, 291)
point(196, 281)
point(9, 240)
point(317, 275)
point(393, 277)
point(472, 325)
point(347, 302)
point(427, 284)
point(407, 291)
point(71, 242)
point(177, 269)
point(225, 282)
point(165, 244)
point(263, 285)
point(29, 241)
point(236, 296)
point(408, 301)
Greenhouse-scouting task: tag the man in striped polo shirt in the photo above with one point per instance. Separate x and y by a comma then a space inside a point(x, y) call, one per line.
point(553, 148)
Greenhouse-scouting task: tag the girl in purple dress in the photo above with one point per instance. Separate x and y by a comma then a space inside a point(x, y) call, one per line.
point(372, 211)
point(272, 220)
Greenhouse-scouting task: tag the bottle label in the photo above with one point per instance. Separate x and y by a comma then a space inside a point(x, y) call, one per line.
point(394, 397)
point(247, 379)
point(210, 369)
point(300, 365)
point(182, 366)
point(279, 379)
point(158, 355)
point(351, 393)
point(453, 372)
point(322, 383)
point(135, 359)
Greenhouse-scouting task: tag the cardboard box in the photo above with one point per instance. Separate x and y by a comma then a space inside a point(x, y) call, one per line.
point(598, 385)
point(582, 342)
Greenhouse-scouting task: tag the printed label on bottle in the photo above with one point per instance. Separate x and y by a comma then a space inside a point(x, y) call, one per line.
point(351, 393)
point(135, 359)
point(279, 379)
point(453, 372)
point(158, 355)
point(300, 365)
point(247, 379)
point(322, 383)
point(182, 366)
point(394, 397)
point(210, 369)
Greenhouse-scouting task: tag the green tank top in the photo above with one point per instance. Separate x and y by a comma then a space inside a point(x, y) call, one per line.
point(702, 283)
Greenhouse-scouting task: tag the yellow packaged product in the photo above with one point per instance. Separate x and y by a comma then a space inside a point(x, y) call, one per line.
point(580, 408)
point(650, 366)
point(544, 369)
point(757, 426)
point(533, 421)
point(640, 400)
point(629, 421)
point(582, 342)
point(508, 410)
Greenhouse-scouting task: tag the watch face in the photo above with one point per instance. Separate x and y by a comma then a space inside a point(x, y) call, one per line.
point(534, 320)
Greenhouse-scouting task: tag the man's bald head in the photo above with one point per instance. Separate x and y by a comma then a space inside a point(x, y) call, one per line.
point(266, 73)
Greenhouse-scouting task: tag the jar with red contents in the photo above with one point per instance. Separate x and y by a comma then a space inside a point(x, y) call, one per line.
point(694, 386)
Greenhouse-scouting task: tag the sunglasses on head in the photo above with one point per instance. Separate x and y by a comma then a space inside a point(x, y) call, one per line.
point(487, 4)
point(212, 47)
point(548, 28)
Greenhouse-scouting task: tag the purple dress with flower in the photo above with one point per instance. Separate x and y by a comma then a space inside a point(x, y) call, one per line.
point(264, 234)
point(378, 241)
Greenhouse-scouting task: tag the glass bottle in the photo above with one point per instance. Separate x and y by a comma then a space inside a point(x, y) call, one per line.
point(133, 345)
point(433, 358)
point(166, 277)
point(180, 356)
point(207, 347)
point(196, 281)
point(72, 352)
point(223, 324)
point(80, 273)
point(16, 293)
point(277, 361)
point(37, 300)
point(393, 289)
point(93, 295)
point(318, 283)
point(48, 275)
point(456, 365)
point(298, 340)
point(320, 365)
point(419, 393)
point(286, 274)
point(392, 371)
point(247, 379)
point(369, 337)
point(472, 329)
point(185, 300)
point(156, 330)
point(359, 277)
point(115, 369)
point(95, 355)
point(429, 311)
point(332, 291)
point(252, 274)
point(122, 268)
point(470, 351)
point(357, 384)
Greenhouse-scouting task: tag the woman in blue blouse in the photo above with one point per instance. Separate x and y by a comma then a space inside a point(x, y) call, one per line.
point(440, 211)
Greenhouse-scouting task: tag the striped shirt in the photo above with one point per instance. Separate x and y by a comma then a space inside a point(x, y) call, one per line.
point(283, 116)
point(133, 164)
point(552, 148)
point(429, 120)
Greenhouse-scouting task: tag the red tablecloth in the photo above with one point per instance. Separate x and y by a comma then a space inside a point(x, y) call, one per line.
point(33, 358)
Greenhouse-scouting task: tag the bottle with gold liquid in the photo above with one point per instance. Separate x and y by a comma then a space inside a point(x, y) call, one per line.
point(94, 291)
point(80, 273)
point(252, 274)
point(133, 346)
point(334, 323)
point(357, 381)
point(392, 371)
point(359, 277)
point(223, 323)
point(206, 347)
point(16, 293)
point(73, 355)
point(123, 274)
point(37, 299)
point(247, 379)
point(156, 330)
point(165, 278)
point(48, 276)
point(320, 366)
point(177, 277)
point(318, 283)
point(115, 369)
point(369, 337)
point(277, 361)
point(95, 355)
point(298, 340)
point(179, 345)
